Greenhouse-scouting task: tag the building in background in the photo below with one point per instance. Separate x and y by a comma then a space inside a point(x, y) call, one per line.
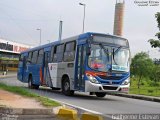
point(118, 18)
point(9, 54)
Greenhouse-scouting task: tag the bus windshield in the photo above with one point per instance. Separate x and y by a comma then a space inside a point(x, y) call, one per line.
point(120, 61)
point(106, 58)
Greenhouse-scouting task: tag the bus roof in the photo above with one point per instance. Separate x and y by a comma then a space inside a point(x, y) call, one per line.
point(80, 36)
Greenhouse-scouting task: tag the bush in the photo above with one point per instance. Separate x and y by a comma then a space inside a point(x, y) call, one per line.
point(154, 84)
point(142, 83)
point(150, 91)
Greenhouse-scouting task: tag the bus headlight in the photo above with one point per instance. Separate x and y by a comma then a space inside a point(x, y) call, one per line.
point(126, 82)
point(92, 79)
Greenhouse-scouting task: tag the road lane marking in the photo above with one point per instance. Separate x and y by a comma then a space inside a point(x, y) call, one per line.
point(81, 108)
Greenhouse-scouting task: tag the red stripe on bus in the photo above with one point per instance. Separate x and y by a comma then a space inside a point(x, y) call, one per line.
point(96, 73)
point(41, 76)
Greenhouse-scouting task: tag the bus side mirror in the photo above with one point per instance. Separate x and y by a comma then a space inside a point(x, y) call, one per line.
point(113, 53)
point(88, 51)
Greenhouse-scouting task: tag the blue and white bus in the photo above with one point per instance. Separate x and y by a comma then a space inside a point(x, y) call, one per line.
point(90, 62)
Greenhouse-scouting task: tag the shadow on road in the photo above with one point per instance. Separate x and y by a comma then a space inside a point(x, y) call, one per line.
point(77, 95)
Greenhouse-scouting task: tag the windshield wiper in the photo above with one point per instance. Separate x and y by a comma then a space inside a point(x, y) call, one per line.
point(118, 49)
point(115, 52)
point(107, 54)
point(105, 51)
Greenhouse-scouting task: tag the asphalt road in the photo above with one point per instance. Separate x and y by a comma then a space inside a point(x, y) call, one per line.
point(108, 105)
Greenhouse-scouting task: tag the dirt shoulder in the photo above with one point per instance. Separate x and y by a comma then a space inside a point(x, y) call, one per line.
point(13, 100)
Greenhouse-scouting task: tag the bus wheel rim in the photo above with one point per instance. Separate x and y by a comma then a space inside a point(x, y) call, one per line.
point(66, 86)
point(30, 83)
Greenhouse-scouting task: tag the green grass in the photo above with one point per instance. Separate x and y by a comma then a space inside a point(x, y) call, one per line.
point(21, 91)
point(146, 91)
point(147, 87)
point(5, 58)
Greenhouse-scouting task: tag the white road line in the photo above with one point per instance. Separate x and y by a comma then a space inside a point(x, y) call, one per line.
point(90, 111)
point(95, 112)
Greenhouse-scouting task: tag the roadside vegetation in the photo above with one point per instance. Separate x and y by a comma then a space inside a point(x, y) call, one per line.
point(147, 87)
point(145, 76)
point(21, 91)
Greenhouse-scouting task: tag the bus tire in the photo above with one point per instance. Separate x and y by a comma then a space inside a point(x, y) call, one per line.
point(31, 85)
point(53, 88)
point(66, 87)
point(100, 94)
point(36, 86)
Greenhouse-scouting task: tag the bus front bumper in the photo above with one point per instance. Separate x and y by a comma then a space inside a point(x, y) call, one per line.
point(92, 87)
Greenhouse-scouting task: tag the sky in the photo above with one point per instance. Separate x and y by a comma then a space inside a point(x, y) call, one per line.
point(19, 20)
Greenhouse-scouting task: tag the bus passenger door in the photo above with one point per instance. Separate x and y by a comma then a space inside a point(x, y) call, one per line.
point(46, 74)
point(22, 68)
point(80, 68)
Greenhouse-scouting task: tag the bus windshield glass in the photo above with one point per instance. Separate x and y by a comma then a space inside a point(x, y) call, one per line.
point(120, 61)
point(106, 58)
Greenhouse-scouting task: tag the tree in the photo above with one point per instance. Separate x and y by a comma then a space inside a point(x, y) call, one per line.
point(141, 66)
point(155, 74)
point(156, 43)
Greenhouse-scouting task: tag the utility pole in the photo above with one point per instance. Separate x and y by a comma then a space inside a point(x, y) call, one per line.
point(39, 35)
point(60, 30)
point(84, 5)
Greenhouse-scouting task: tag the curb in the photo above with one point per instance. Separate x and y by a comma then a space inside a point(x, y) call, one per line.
point(26, 114)
point(22, 111)
point(67, 113)
point(140, 97)
point(87, 116)
point(63, 113)
point(82, 111)
point(71, 114)
point(7, 76)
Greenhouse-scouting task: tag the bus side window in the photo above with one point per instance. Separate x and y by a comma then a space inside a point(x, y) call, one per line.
point(69, 51)
point(29, 57)
point(34, 57)
point(21, 57)
point(52, 54)
point(40, 56)
point(58, 53)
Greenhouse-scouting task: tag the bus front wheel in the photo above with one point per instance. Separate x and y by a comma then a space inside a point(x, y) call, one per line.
point(100, 94)
point(66, 87)
point(53, 88)
point(31, 85)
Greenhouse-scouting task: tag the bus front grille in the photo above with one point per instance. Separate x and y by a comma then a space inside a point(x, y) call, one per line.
point(110, 77)
point(110, 88)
